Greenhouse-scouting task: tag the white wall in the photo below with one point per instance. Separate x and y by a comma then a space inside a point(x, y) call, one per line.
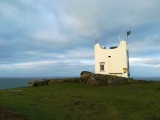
point(113, 64)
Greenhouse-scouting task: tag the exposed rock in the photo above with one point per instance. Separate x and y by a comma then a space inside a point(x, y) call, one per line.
point(88, 78)
point(101, 80)
point(38, 83)
point(55, 81)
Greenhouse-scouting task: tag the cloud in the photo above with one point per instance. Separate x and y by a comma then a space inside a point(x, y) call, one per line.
point(57, 37)
point(145, 67)
point(141, 63)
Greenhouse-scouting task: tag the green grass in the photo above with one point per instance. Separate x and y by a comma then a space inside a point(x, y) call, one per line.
point(72, 101)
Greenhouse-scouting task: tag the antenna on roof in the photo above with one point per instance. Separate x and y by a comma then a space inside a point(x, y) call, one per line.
point(97, 37)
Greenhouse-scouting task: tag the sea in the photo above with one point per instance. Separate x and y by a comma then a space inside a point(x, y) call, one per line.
point(8, 83)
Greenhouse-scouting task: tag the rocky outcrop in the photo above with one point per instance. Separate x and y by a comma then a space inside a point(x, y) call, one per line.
point(88, 78)
point(102, 80)
point(38, 83)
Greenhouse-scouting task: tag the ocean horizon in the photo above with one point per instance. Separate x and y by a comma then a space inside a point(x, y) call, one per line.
point(15, 82)
point(148, 78)
point(8, 83)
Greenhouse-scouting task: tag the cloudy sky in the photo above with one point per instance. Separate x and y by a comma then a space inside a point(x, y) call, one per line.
point(53, 38)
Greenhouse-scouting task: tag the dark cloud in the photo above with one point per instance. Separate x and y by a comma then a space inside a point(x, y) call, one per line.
point(49, 38)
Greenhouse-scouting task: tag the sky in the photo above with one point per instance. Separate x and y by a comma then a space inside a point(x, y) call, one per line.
point(56, 38)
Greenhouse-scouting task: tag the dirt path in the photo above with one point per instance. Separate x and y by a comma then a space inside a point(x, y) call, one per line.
point(6, 114)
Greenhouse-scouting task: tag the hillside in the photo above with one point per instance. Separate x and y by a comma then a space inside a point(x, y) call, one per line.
point(72, 101)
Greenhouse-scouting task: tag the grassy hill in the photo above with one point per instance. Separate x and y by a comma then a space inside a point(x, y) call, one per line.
point(78, 101)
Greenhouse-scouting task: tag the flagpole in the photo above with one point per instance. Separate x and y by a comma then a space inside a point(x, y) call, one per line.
point(97, 38)
point(128, 33)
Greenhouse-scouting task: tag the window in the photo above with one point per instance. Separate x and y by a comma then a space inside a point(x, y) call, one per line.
point(102, 66)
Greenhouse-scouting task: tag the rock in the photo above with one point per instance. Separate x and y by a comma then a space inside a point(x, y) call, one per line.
point(102, 80)
point(87, 78)
point(55, 81)
point(38, 83)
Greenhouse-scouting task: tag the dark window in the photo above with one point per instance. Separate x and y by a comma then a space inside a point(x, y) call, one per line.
point(101, 67)
point(113, 47)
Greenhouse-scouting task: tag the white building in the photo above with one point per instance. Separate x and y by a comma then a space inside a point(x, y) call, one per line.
point(113, 61)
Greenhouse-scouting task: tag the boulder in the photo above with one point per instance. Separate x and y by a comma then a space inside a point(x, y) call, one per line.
point(87, 78)
point(102, 80)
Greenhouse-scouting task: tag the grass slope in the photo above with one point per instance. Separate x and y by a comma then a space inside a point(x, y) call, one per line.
point(73, 101)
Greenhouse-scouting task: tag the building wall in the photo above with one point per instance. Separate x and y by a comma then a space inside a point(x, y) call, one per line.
point(114, 60)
